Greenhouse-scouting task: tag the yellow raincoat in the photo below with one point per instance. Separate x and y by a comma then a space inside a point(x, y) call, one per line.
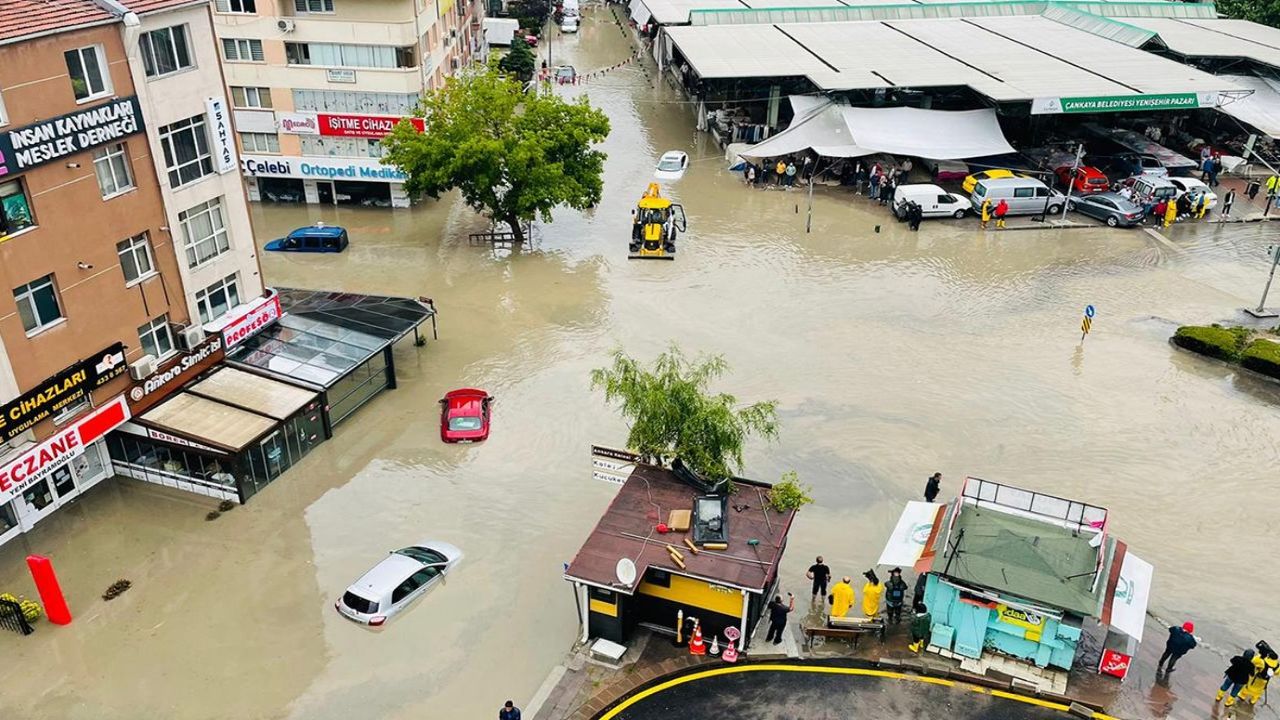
point(842, 594)
point(986, 212)
point(1257, 685)
point(1170, 213)
point(871, 593)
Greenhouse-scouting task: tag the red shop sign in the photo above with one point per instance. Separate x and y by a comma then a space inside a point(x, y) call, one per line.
point(37, 463)
point(251, 323)
point(363, 126)
point(1114, 663)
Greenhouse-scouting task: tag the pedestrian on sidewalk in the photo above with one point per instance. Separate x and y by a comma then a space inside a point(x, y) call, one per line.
point(1202, 205)
point(872, 590)
point(1215, 167)
point(1227, 201)
point(778, 617)
point(932, 486)
point(509, 712)
point(921, 627)
point(873, 190)
point(859, 177)
point(842, 597)
point(1180, 642)
point(819, 573)
point(915, 214)
point(1002, 208)
point(1265, 665)
point(1235, 677)
point(1170, 213)
point(985, 212)
point(917, 594)
point(781, 170)
point(791, 174)
point(886, 190)
point(895, 595)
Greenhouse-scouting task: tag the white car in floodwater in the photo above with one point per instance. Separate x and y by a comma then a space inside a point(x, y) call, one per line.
point(395, 583)
point(671, 165)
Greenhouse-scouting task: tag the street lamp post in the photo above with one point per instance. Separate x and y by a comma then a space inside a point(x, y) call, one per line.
point(1075, 169)
point(1261, 311)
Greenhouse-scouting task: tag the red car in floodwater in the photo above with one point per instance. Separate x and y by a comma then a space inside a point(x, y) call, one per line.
point(464, 415)
point(1089, 179)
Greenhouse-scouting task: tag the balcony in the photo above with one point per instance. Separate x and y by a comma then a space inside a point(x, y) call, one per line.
point(315, 28)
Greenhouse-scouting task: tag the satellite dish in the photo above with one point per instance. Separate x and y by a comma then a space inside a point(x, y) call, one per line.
point(626, 572)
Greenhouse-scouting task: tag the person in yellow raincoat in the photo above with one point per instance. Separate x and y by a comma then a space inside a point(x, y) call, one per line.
point(985, 212)
point(841, 597)
point(1202, 206)
point(1265, 665)
point(1170, 213)
point(871, 593)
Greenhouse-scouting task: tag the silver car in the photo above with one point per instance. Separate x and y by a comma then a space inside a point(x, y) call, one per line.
point(393, 584)
point(1112, 208)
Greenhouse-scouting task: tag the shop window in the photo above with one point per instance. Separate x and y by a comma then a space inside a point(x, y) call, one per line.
point(186, 151)
point(313, 6)
point(218, 298)
point(204, 232)
point(156, 338)
point(247, 7)
point(354, 102)
point(341, 147)
point(260, 142)
point(251, 97)
point(345, 55)
point(242, 50)
point(38, 304)
point(111, 165)
point(15, 208)
point(165, 51)
point(8, 518)
point(39, 496)
point(87, 67)
point(135, 258)
point(601, 594)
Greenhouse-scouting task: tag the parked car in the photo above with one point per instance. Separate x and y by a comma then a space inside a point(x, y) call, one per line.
point(569, 24)
point(1025, 196)
point(945, 170)
point(933, 201)
point(1127, 164)
point(671, 165)
point(566, 74)
point(1194, 187)
point(395, 583)
point(972, 181)
point(464, 415)
point(1087, 179)
point(313, 238)
point(1112, 208)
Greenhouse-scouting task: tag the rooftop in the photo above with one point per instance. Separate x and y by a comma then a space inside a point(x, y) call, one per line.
point(646, 498)
point(20, 19)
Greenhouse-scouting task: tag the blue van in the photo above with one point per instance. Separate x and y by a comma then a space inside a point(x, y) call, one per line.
point(314, 238)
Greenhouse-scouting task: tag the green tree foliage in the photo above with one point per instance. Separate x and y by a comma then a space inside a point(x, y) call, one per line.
point(513, 155)
point(789, 493)
point(1266, 12)
point(674, 415)
point(532, 14)
point(519, 61)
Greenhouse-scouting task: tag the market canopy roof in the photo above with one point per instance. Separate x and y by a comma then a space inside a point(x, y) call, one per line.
point(253, 392)
point(1261, 108)
point(1216, 38)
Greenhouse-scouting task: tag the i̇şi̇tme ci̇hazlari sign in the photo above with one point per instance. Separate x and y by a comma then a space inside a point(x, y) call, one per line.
point(1123, 103)
point(61, 391)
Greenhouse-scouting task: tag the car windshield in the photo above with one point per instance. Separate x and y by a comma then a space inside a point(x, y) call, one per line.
point(359, 604)
point(468, 422)
point(426, 556)
point(669, 163)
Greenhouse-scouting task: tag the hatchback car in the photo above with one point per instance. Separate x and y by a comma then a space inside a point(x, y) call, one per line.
point(671, 165)
point(972, 181)
point(1088, 179)
point(464, 415)
point(395, 583)
point(1112, 208)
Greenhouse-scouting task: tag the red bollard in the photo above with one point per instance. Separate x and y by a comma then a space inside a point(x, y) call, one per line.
point(55, 605)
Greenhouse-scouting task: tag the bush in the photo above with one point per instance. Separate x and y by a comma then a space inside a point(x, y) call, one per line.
point(1212, 340)
point(789, 494)
point(1262, 356)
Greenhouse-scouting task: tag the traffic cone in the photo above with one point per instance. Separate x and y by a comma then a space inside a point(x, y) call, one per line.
point(715, 646)
point(696, 646)
point(730, 653)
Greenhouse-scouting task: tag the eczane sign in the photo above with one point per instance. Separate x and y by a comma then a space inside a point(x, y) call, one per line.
point(68, 443)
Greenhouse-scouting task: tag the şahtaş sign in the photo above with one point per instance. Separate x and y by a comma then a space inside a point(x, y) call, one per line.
point(48, 140)
point(321, 168)
point(1123, 103)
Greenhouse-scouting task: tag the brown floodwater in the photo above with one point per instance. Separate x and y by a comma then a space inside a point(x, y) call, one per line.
point(891, 354)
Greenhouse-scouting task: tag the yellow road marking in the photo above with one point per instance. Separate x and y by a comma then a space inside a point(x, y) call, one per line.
point(820, 669)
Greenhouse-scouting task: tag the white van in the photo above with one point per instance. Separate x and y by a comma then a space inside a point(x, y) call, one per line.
point(933, 201)
point(1025, 196)
point(1143, 189)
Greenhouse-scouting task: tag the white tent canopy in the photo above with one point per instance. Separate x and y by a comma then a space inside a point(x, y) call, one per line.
point(906, 543)
point(833, 130)
point(1260, 109)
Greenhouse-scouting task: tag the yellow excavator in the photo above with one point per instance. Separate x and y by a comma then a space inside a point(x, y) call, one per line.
point(654, 225)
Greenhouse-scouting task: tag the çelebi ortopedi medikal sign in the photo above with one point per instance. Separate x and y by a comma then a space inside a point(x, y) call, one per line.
point(60, 391)
point(49, 140)
point(1123, 103)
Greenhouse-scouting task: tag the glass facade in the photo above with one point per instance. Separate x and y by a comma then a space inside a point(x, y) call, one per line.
point(268, 458)
point(359, 386)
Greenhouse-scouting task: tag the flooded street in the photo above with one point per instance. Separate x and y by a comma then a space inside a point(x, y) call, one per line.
point(892, 355)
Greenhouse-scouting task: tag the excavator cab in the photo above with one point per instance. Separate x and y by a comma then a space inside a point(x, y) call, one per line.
point(654, 225)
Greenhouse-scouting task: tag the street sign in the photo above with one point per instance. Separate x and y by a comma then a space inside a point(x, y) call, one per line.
point(1088, 311)
point(611, 465)
point(1087, 323)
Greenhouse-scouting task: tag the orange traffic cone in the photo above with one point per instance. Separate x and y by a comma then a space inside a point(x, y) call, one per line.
point(696, 646)
point(730, 653)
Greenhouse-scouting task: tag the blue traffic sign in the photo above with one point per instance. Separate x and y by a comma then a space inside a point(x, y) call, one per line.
point(1088, 311)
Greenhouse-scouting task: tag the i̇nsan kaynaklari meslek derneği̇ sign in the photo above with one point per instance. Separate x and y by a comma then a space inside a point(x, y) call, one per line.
point(46, 141)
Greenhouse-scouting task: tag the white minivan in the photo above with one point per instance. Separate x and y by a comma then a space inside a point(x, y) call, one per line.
point(933, 201)
point(1025, 196)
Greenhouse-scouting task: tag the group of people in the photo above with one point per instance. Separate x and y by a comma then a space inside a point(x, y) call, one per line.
point(782, 173)
point(988, 210)
point(1245, 678)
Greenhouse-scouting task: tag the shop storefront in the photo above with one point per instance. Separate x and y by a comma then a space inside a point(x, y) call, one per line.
point(329, 181)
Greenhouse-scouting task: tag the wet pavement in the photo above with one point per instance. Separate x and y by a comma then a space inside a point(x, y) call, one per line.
point(892, 355)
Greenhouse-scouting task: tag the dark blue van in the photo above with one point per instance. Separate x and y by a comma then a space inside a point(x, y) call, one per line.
point(314, 238)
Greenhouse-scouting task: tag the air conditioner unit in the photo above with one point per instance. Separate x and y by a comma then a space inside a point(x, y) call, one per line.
point(285, 25)
point(143, 367)
point(189, 336)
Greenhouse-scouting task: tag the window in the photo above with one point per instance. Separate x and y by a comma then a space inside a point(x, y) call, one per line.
point(249, 7)
point(239, 50)
point(359, 604)
point(111, 164)
point(661, 578)
point(260, 142)
point(354, 102)
point(37, 304)
point(155, 337)
point(164, 51)
point(341, 147)
point(1024, 192)
point(87, 67)
point(251, 97)
point(204, 232)
point(186, 150)
point(313, 6)
point(215, 300)
point(15, 209)
point(406, 588)
point(135, 258)
point(341, 55)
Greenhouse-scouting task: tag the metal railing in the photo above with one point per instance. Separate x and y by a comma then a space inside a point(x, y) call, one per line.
point(1071, 513)
point(11, 618)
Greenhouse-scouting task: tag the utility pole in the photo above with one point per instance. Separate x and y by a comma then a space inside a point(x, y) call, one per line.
point(1075, 169)
point(808, 221)
point(1261, 311)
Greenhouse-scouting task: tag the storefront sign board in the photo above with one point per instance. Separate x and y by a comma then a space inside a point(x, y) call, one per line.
point(612, 466)
point(1133, 592)
point(1114, 663)
point(174, 374)
point(338, 75)
point(298, 123)
point(1123, 103)
point(224, 145)
point(370, 127)
point(67, 444)
point(251, 323)
point(61, 391)
point(309, 168)
point(49, 140)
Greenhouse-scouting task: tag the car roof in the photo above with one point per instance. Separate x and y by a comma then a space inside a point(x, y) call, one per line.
point(673, 154)
point(385, 576)
point(318, 231)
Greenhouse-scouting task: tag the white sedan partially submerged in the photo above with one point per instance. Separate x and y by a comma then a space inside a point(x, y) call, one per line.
point(671, 165)
point(395, 583)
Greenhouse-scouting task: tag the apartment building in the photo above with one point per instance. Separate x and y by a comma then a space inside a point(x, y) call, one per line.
point(315, 84)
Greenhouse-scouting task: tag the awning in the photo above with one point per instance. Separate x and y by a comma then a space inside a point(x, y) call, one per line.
point(907, 541)
point(1260, 109)
point(253, 392)
point(821, 129)
point(209, 421)
point(1128, 603)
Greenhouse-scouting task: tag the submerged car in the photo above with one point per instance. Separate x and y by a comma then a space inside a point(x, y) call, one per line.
point(313, 238)
point(569, 24)
point(972, 181)
point(671, 165)
point(1088, 179)
point(1112, 208)
point(464, 415)
point(395, 583)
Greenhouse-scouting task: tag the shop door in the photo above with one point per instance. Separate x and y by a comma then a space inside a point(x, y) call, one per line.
point(39, 500)
point(325, 189)
point(64, 483)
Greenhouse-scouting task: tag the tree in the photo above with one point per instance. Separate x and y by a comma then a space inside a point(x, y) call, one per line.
point(532, 14)
point(1266, 12)
point(513, 155)
point(673, 415)
point(519, 61)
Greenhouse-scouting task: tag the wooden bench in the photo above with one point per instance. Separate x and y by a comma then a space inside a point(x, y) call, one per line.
point(843, 629)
